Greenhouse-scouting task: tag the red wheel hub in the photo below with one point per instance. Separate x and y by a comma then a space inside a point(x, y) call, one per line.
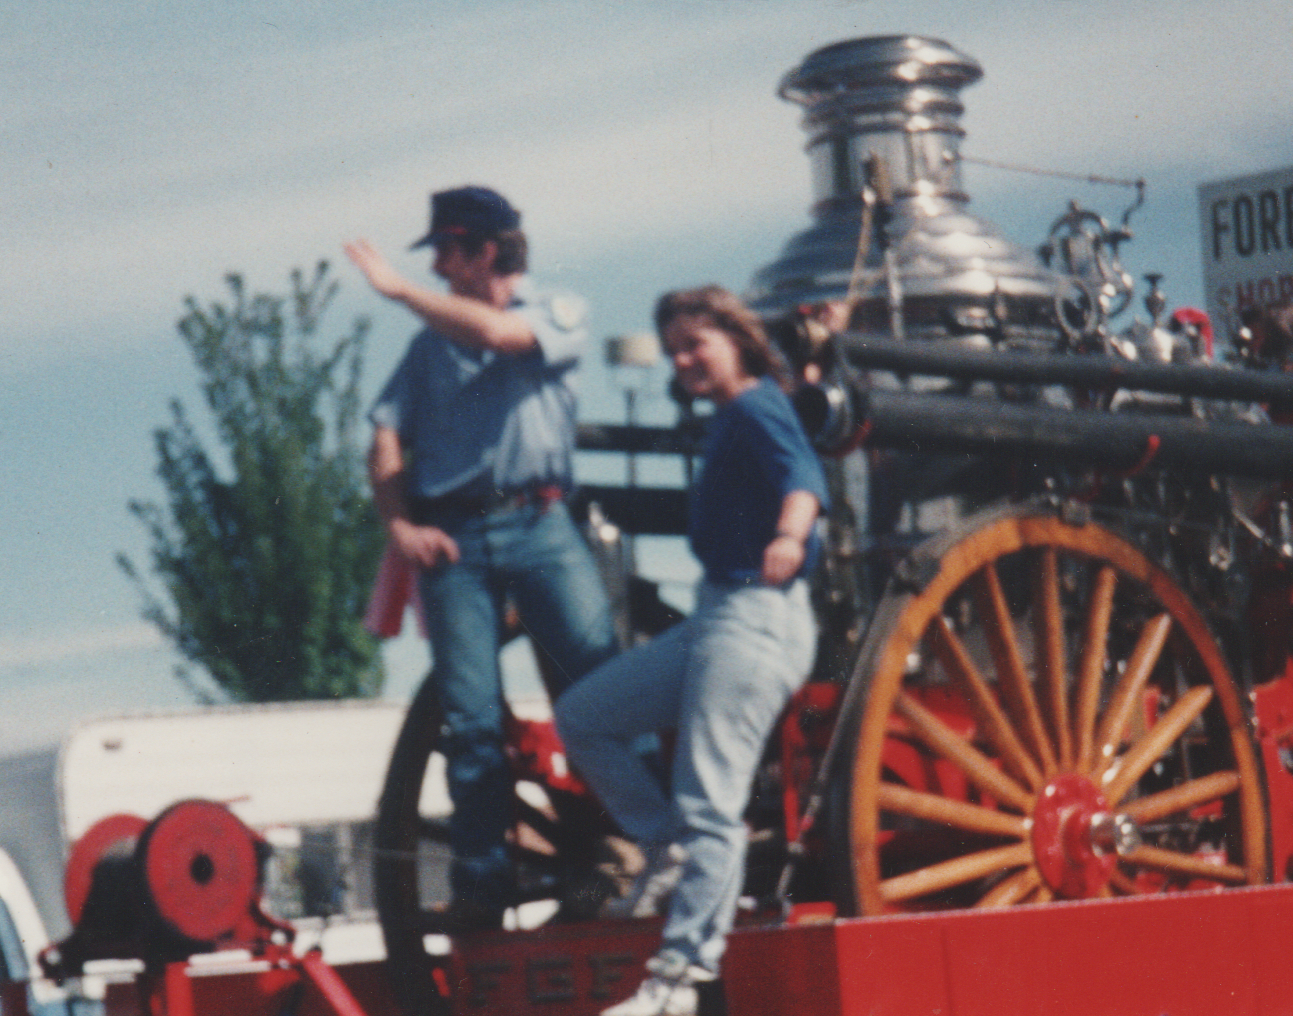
point(1063, 844)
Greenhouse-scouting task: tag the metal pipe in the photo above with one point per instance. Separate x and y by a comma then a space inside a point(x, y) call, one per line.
point(601, 437)
point(1094, 372)
point(1119, 441)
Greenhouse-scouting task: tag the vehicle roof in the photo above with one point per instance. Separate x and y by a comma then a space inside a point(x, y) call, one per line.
point(280, 764)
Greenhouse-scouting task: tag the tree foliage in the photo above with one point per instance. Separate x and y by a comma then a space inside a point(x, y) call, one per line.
point(267, 571)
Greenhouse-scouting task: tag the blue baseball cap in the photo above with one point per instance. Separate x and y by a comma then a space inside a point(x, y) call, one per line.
point(468, 210)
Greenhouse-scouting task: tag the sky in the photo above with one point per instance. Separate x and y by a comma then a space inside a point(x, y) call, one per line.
point(149, 148)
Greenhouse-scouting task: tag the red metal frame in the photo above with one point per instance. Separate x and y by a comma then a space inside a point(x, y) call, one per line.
point(273, 984)
point(1270, 620)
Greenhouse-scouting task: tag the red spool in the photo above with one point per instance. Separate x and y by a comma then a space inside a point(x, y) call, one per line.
point(200, 869)
point(116, 834)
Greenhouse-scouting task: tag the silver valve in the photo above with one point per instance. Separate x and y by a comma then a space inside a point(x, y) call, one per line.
point(1114, 834)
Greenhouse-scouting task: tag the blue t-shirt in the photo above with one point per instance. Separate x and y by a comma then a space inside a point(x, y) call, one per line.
point(755, 454)
point(474, 418)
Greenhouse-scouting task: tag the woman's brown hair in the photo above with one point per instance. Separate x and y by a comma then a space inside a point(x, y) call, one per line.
point(723, 310)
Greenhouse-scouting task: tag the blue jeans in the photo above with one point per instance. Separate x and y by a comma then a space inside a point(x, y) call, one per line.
point(536, 556)
point(721, 678)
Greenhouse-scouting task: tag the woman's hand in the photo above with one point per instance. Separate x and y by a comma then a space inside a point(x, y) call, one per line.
point(782, 559)
point(784, 556)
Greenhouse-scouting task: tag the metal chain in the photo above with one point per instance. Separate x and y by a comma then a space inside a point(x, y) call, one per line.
point(1059, 174)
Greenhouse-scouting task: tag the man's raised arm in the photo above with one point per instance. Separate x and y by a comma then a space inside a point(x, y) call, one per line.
point(466, 320)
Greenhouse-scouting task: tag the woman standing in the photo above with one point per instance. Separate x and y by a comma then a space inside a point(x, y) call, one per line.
point(721, 677)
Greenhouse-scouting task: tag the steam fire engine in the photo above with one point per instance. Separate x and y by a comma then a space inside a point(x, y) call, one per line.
point(1044, 761)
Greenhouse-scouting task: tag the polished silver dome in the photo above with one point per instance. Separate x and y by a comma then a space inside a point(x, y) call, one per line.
point(882, 116)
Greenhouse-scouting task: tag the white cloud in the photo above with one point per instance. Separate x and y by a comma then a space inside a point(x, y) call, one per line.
point(18, 651)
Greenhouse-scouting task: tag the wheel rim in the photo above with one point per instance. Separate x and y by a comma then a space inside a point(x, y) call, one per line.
point(554, 839)
point(406, 843)
point(1060, 639)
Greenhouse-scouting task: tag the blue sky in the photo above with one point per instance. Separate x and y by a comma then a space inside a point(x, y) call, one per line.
point(149, 148)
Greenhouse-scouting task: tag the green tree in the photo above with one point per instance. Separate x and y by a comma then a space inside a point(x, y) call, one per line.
point(267, 572)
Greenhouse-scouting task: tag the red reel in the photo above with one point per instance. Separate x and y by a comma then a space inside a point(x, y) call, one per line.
point(200, 869)
point(114, 836)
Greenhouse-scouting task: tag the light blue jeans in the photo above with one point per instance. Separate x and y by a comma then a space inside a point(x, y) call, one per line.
point(721, 678)
point(535, 555)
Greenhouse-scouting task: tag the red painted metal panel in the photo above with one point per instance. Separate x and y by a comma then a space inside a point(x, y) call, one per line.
point(785, 970)
point(889, 965)
point(1170, 955)
point(1187, 954)
point(564, 970)
point(13, 999)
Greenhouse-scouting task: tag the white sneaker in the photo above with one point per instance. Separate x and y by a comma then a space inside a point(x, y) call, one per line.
point(658, 997)
point(652, 886)
point(669, 991)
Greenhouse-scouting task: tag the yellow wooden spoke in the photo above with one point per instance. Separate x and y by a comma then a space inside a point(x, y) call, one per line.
point(1042, 894)
point(1127, 695)
point(972, 818)
point(1182, 797)
point(1012, 890)
point(992, 720)
point(1052, 671)
point(940, 738)
point(955, 872)
point(1091, 668)
point(1186, 864)
point(1012, 678)
point(1171, 725)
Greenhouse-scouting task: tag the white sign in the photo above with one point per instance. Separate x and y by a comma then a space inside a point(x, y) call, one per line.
point(1247, 229)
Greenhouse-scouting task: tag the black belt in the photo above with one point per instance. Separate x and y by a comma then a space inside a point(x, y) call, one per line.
point(428, 510)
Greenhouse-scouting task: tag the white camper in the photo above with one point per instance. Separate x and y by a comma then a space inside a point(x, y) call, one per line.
point(306, 776)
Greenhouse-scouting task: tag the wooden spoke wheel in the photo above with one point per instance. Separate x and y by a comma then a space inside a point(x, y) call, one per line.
point(1040, 713)
point(554, 843)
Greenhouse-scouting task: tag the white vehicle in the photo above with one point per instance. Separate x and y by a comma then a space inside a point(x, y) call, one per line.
point(30, 885)
point(305, 776)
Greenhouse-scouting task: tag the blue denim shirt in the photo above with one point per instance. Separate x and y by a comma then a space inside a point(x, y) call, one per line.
point(478, 418)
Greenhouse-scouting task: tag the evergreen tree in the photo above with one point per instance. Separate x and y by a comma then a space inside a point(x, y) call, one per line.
point(267, 572)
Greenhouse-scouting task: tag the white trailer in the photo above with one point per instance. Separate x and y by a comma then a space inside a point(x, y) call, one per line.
point(306, 776)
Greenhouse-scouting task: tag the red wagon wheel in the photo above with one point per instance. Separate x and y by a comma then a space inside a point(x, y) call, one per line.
point(1048, 717)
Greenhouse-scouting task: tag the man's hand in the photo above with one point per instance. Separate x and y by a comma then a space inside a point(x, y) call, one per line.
point(782, 559)
point(474, 320)
point(377, 270)
point(423, 545)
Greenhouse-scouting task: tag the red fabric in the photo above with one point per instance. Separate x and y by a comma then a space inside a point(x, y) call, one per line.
point(1200, 320)
point(394, 589)
point(538, 754)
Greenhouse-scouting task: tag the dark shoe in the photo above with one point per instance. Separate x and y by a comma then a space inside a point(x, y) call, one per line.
point(464, 915)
